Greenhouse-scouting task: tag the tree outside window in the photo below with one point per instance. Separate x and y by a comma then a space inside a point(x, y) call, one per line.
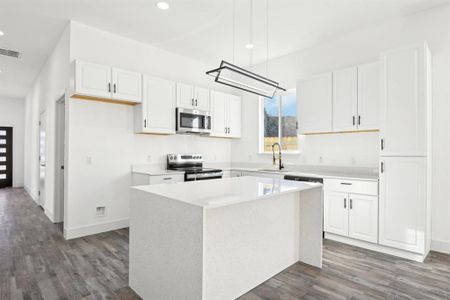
point(279, 122)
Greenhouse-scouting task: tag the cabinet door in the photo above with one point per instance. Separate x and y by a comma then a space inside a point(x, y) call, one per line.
point(403, 203)
point(127, 85)
point(314, 99)
point(234, 116)
point(202, 99)
point(336, 212)
point(363, 217)
point(369, 96)
point(92, 79)
point(159, 105)
point(219, 114)
point(345, 98)
point(404, 102)
point(185, 95)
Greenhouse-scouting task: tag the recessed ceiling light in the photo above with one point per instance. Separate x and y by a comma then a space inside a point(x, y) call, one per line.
point(2, 33)
point(249, 46)
point(162, 5)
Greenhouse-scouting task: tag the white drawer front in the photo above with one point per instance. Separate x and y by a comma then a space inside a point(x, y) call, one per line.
point(351, 186)
point(172, 178)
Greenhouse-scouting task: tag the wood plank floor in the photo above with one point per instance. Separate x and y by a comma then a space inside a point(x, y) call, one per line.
point(37, 263)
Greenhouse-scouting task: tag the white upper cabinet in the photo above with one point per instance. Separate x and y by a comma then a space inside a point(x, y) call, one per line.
point(314, 102)
point(157, 112)
point(104, 83)
point(193, 97)
point(126, 85)
point(363, 217)
point(234, 116)
point(226, 115)
point(369, 96)
point(219, 114)
point(92, 79)
point(345, 99)
point(336, 212)
point(403, 203)
point(202, 98)
point(404, 93)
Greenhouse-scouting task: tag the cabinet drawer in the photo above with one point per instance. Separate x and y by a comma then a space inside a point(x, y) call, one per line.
point(172, 178)
point(351, 186)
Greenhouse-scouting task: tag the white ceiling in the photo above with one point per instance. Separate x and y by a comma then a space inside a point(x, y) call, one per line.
point(200, 29)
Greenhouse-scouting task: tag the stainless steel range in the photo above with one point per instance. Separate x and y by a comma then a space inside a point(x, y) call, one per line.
point(192, 165)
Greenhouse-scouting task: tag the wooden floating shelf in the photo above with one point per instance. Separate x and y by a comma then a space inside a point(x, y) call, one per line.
point(99, 99)
point(336, 132)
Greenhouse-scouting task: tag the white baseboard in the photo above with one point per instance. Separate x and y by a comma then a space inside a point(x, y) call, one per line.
point(440, 246)
point(34, 197)
point(72, 233)
point(376, 247)
point(49, 215)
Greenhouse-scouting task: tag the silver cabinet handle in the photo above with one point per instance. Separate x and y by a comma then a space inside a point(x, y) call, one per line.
point(346, 183)
point(192, 101)
point(382, 167)
point(351, 203)
point(167, 178)
point(196, 104)
point(345, 202)
point(145, 123)
point(109, 87)
point(115, 89)
point(359, 120)
point(382, 144)
point(353, 120)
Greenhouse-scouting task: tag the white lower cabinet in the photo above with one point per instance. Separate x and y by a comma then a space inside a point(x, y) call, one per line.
point(336, 212)
point(403, 203)
point(351, 209)
point(363, 218)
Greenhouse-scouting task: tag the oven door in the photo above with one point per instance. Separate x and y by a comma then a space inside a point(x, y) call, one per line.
point(193, 121)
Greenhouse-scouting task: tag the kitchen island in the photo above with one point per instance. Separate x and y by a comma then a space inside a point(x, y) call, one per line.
point(218, 239)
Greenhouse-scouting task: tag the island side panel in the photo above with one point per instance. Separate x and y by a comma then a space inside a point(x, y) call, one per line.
point(166, 241)
point(311, 227)
point(247, 243)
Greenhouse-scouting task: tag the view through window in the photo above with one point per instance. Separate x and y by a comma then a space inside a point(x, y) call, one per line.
point(279, 122)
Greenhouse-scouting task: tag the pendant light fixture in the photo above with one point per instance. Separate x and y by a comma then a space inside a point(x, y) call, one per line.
point(231, 75)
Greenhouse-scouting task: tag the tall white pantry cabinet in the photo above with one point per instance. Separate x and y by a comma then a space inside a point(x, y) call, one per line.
point(405, 150)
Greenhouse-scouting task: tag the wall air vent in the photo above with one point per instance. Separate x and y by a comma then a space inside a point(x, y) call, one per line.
point(9, 53)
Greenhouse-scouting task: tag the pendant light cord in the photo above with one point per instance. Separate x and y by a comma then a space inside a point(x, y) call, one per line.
point(234, 30)
point(251, 32)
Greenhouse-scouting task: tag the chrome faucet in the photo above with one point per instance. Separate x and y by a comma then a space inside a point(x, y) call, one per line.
point(280, 163)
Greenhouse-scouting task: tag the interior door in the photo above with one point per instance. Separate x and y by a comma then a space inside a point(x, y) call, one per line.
point(93, 79)
point(6, 156)
point(159, 105)
point(369, 96)
point(403, 102)
point(185, 95)
point(336, 212)
point(403, 204)
point(127, 85)
point(202, 99)
point(363, 217)
point(314, 98)
point(219, 114)
point(234, 116)
point(42, 158)
point(345, 98)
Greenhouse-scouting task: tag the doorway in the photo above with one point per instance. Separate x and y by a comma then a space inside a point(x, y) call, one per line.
point(59, 159)
point(6, 157)
point(42, 158)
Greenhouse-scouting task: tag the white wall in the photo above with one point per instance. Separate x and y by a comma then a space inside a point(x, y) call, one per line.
point(362, 46)
point(12, 112)
point(48, 88)
point(102, 145)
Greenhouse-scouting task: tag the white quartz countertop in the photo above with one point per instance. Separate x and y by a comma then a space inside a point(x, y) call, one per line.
point(227, 191)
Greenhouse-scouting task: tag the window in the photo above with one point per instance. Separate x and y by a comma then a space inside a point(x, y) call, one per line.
point(279, 122)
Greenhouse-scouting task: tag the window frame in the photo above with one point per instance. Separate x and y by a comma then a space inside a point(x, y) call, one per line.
point(261, 125)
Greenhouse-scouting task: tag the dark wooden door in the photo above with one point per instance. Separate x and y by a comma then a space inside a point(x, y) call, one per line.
point(6, 156)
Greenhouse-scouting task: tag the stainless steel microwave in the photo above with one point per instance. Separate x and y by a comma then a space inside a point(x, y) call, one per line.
point(193, 121)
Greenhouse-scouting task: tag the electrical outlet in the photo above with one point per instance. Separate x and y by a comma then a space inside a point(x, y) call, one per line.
point(100, 211)
point(320, 159)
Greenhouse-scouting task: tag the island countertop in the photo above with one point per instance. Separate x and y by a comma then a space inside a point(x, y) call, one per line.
point(227, 191)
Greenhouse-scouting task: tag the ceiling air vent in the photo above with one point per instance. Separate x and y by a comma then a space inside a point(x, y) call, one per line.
point(10, 53)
